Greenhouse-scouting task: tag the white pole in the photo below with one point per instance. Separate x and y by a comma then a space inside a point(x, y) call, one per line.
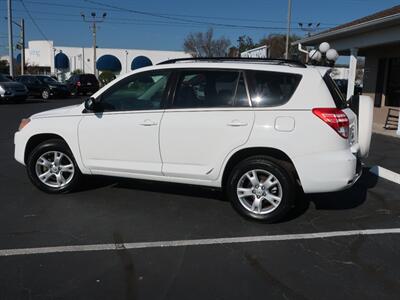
point(352, 73)
point(289, 20)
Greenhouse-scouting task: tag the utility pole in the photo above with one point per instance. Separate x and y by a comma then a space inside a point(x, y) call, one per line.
point(10, 39)
point(93, 21)
point(289, 20)
point(22, 46)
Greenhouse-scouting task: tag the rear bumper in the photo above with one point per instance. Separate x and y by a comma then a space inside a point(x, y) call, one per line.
point(329, 171)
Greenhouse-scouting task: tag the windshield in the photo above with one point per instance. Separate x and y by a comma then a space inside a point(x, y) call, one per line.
point(3, 78)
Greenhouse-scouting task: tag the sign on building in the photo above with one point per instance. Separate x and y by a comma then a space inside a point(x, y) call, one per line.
point(259, 52)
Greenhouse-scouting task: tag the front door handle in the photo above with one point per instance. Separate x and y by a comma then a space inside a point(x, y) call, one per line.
point(148, 123)
point(237, 123)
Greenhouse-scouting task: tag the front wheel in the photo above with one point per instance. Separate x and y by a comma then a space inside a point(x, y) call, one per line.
point(52, 167)
point(261, 188)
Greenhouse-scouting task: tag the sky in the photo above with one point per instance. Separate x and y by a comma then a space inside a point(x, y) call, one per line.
point(163, 24)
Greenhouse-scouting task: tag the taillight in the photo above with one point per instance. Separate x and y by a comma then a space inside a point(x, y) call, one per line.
point(78, 83)
point(335, 118)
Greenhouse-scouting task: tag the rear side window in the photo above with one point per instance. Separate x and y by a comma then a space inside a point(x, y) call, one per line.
point(337, 95)
point(210, 88)
point(272, 88)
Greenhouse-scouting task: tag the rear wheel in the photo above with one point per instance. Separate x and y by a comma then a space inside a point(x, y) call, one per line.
point(52, 167)
point(261, 188)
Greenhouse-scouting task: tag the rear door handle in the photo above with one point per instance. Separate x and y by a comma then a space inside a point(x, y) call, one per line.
point(148, 123)
point(237, 123)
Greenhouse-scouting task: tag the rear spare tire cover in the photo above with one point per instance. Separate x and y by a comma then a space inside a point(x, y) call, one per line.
point(365, 119)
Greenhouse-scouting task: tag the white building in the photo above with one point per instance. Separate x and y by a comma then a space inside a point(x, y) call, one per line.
point(259, 52)
point(61, 61)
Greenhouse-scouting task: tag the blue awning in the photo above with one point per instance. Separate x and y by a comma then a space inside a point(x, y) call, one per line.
point(61, 61)
point(140, 62)
point(108, 63)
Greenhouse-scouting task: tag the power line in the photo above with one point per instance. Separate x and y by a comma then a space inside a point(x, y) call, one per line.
point(165, 23)
point(34, 22)
point(193, 16)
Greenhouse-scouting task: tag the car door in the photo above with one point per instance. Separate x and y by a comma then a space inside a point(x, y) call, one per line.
point(122, 137)
point(209, 117)
point(25, 80)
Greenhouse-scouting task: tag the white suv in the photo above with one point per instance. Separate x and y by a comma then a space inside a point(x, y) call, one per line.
point(257, 129)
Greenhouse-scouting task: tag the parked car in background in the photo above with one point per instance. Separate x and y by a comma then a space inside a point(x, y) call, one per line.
point(43, 86)
point(342, 85)
point(11, 90)
point(83, 84)
point(256, 129)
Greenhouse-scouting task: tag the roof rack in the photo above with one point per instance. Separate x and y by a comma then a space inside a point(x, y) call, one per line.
point(272, 61)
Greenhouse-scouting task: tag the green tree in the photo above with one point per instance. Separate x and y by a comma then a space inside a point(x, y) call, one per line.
point(245, 43)
point(77, 72)
point(106, 77)
point(277, 44)
point(3, 66)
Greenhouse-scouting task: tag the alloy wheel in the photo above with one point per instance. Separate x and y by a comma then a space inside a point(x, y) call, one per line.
point(55, 169)
point(259, 191)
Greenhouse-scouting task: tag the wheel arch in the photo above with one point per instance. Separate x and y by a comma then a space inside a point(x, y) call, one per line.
point(242, 154)
point(38, 139)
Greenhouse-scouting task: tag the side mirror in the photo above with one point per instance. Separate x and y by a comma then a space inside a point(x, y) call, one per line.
point(91, 104)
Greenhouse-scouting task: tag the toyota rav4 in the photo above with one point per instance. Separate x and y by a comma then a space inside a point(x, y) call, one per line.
point(258, 129)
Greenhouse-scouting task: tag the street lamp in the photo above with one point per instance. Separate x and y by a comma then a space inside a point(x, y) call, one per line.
point(309, 27)
point(93, 21)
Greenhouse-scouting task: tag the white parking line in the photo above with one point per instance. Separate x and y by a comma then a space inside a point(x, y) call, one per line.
point(386, 174)
point(199, 242)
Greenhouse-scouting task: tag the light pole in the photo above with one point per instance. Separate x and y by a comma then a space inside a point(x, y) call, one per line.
point(93, 21)
point(289, 20)
point(10, 39)
point(311, 27)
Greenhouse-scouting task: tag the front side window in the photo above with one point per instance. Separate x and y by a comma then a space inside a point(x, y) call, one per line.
point(209, 88)
point(144, 91)
point(269, 89)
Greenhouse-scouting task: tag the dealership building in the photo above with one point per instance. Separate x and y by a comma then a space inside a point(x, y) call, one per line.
point(61, 61)
point(376, 38)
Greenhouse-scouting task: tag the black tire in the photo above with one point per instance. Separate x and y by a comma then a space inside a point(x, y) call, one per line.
point(280, 170)
point(45, 94)
point(45, 147)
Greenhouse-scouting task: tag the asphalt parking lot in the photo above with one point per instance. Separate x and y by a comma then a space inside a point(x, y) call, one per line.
point(121, 212)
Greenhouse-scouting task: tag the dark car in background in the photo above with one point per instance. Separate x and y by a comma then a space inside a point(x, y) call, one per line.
point(43, 86)
point(342, 85)
point(11, 90)
point(82, 84)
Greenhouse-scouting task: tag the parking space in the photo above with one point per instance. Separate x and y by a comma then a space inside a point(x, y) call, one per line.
point(121, 211)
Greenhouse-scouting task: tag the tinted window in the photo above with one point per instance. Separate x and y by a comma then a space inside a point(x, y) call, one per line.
point(272, 88)
point(28, 80)
point(3, 78)
point(84, 78)
point(206, 88)
point(337, 95)
point(47, 79)
point(142, 91)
